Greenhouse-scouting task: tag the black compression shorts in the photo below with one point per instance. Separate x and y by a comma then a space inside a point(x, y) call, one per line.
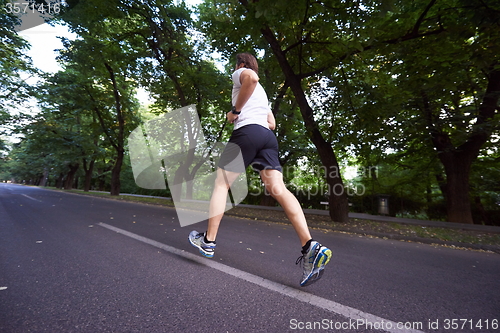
point(258, 146)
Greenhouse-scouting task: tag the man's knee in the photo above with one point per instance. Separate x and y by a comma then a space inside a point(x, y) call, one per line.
point(276, 190)
point(222, 182)
point(225, 178)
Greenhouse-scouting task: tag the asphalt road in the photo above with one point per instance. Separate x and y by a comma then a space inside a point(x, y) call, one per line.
point(72, 263)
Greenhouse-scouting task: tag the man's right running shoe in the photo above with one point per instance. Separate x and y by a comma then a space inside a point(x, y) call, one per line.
point(197, 240)
point(313, 263)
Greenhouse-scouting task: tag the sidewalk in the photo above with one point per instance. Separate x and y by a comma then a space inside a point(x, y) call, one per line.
point(390, 219)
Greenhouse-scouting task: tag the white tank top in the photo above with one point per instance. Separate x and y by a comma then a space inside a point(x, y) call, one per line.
point(256, 108)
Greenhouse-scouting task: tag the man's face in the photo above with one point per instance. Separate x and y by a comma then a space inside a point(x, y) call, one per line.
point(239, 66)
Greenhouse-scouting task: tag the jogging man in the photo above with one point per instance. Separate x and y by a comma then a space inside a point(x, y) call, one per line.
point(253, 124)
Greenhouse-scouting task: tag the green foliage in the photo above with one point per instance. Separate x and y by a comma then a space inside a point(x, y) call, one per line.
point(15, 66)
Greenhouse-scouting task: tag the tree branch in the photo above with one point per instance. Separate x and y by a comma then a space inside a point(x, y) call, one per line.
point(417, 25)
point(101, 120)
point(483, 128)
point(119, 113)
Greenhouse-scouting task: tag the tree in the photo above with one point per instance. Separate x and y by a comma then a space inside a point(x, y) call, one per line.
point(109, 89)
point(452, 83)
point(15, 67)
point(63, 99)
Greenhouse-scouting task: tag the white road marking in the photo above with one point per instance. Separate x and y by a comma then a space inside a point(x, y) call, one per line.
point(353, 314)
point(27, 196)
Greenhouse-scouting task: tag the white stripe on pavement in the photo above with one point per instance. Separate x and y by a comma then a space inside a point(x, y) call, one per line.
point(356, 317)
point(27, 196)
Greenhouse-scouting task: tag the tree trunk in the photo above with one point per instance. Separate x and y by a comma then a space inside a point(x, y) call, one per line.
point(45, 177)
point(176, 187)
point(119, 144)
point(88, 174)
point(267, 200)
point(480, 208)
point(337, 199)
point(101, 184)
point(115, 174)
point(458, 204)
point(68, 183)
point(59, 180)
point(189, 176)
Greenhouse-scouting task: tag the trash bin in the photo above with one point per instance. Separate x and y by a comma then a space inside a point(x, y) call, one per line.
point(383, 204)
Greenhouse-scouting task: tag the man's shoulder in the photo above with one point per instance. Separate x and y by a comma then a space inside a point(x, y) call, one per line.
point(249, 72)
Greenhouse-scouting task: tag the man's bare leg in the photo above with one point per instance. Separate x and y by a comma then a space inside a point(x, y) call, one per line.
point(218, 201)
point(273, 180)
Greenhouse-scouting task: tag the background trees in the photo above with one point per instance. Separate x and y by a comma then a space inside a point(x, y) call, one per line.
point(409, 89)
point(15, 68)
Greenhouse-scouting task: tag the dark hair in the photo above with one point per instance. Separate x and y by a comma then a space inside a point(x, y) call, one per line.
point(249, 61)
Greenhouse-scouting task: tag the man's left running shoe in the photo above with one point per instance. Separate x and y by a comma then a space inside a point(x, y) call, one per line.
point(313, 263)
point(197, 240)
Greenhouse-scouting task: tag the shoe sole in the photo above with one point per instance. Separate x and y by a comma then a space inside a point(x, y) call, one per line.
point(322, 259)
point(202, 252)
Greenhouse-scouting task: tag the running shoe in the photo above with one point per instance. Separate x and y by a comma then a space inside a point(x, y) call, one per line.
point(197, 240)
point(313, 263)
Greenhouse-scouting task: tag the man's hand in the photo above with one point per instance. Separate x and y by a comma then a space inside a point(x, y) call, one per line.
point(231, 117)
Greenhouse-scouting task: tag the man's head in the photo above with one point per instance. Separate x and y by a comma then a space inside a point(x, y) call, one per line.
point(248, 61)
